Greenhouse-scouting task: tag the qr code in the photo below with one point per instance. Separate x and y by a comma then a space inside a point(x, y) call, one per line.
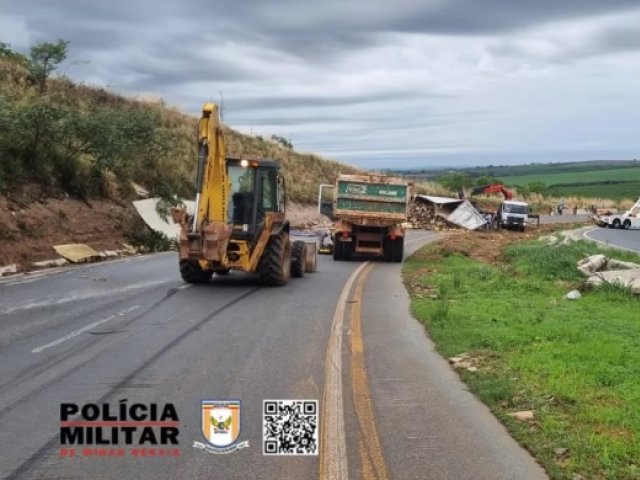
point(290, 427)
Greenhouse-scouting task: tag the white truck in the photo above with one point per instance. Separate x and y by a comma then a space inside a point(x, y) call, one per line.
point(626, 220)
point(513, 215)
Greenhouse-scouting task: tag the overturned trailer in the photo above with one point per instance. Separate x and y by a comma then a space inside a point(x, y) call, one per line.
point(430, 211)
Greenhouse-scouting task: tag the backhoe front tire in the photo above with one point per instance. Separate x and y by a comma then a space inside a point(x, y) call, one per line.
point(192, 272)
point(275, 265)
point(298, 258)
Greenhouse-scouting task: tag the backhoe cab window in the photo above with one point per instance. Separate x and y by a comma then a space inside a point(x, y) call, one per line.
point(241, 194)
point(269, 190)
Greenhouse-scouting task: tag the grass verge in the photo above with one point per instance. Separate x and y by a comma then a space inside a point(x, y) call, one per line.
point(575, 363)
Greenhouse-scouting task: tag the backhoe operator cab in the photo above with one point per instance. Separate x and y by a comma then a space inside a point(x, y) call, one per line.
point(256, 187)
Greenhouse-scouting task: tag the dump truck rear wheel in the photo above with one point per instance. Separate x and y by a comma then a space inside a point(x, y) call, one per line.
point(298, 257)
point(616, 223)
point(393, 249)
point(399, 249)
point(338, 250)
point(627, 224)
point(275, 264)
point(192, 272)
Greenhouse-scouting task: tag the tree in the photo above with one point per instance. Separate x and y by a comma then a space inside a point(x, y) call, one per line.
point(487, 180)
point(538, 187)
point(456, 181)
point(282, 141)
point(45, 58)
point(6, 52)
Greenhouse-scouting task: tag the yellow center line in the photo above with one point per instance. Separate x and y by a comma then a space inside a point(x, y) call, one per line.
point(369, 446)
point(333, 450)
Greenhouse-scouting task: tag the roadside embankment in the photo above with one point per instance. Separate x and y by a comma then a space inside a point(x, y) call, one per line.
point(561, 374)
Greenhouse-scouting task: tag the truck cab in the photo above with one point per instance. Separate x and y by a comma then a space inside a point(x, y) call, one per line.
point(513, 215)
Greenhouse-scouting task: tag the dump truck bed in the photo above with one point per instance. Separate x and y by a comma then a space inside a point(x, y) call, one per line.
point(378, 199)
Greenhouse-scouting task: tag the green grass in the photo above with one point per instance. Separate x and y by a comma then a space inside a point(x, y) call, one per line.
point(577, 363)
point(612, 174)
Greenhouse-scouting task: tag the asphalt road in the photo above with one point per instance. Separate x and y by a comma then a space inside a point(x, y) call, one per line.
point(133, 330)
point(566, 218)
point(626, 239)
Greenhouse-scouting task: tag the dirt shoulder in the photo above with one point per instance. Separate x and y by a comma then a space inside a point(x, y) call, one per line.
point(31, 224)
point(487, 245)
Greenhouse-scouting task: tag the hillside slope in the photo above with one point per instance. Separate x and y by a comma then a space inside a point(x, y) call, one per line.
point(72, 136)
point(69, 158)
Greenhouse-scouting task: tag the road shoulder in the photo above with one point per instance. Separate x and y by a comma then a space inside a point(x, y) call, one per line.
point(429, 424)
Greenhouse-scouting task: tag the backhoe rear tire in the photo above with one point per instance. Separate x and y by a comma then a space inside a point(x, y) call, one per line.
point(275, 265)
point(192, 272)
point(298, 258)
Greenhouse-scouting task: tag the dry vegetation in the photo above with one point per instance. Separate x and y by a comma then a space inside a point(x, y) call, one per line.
point(542, 204)
point(164, 164)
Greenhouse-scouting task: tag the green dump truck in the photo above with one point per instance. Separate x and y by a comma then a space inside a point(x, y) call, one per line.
point(369, 212)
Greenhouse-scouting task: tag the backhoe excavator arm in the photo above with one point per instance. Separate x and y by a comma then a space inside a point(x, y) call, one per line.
point(205, 237)
point(212, 182)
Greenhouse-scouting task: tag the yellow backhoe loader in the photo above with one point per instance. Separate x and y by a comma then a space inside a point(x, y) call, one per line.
point(239, 218)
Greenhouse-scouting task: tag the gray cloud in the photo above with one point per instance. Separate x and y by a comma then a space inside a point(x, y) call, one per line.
point(411, 80)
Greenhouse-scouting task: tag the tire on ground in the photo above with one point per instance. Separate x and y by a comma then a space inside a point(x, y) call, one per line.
point(275, 265)
point(192, 272)
point(343, 250)
point(616, 223)
point(298, 257)
point(337, 250)
point(393, 250)
point(399, 249)
point(627, 224)
point(311, 262)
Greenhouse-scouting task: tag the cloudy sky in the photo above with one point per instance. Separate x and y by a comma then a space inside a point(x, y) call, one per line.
point(376, 83)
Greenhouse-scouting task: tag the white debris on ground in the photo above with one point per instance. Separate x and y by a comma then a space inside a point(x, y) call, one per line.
point(601, 269)
point(573, 295)
point(77, 253)
point(523, 416)
point(464, 361)
point(8, 269)
point(148, 211)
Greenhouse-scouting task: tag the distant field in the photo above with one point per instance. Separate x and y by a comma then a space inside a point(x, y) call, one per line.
point(612, 174)
point(606, 179)
point(614, 191)
point(500, 171)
